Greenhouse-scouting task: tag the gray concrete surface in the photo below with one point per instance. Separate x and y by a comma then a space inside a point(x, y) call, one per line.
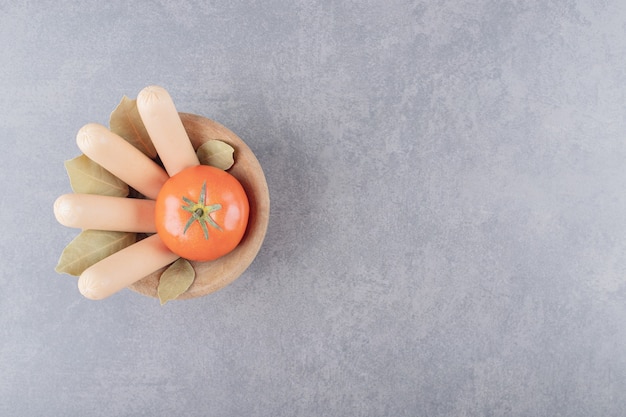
point(448, 226)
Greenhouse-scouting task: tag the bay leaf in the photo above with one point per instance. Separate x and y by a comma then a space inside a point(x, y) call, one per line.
point(91, 246)
point(88, 177)
point(126, 122)
point(175, 280)
point(216, 153)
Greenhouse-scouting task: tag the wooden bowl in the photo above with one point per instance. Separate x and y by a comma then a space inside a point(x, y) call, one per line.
point(214, 275)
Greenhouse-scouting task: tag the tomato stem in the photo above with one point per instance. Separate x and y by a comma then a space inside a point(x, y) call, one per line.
point(200, 212)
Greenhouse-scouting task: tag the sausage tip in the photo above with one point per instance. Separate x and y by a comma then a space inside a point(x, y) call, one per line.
point(63, 210)
point(86, 288)
point(151, 94)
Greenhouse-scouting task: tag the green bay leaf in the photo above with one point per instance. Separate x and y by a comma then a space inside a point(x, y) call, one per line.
point(88, 177)
point(126, 122)
point(91, 246)
point(216, 153)
point(175, 280)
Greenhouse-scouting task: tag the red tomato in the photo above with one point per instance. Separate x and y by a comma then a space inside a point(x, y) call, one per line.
point(201, 213)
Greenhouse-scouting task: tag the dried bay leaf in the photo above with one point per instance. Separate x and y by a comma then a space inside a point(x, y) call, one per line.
point(91, 246)
point(216, 153)
point(175, 280)
point(126, 122)
point(88, 177)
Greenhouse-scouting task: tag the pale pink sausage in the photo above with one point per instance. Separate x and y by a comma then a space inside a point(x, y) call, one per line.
point(125, 267)
point(161, 119)
point(98, 212)
point(122, 159)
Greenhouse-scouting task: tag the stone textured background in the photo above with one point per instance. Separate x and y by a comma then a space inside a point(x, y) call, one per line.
point(448, 229)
